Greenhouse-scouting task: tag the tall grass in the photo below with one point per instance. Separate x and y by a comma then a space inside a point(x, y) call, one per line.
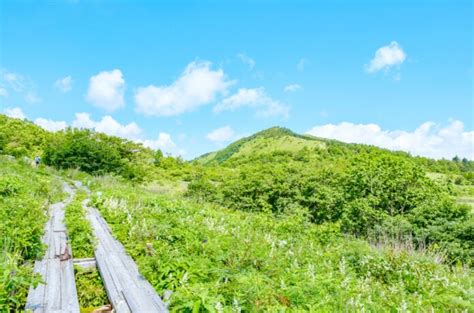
point(207, 258)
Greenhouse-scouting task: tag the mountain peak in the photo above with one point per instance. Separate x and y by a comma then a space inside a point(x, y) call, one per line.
point(265, 141)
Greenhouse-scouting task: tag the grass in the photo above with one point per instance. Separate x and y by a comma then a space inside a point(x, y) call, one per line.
point(266, 141)
point(284, 143)
point(214, 259)
point(25, 194)
point(90, 289)
point(79, 229)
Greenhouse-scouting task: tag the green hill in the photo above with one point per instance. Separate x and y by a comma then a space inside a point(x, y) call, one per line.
point(21, 138)
point(276, 221)
point(280, 140)
point(266, 141)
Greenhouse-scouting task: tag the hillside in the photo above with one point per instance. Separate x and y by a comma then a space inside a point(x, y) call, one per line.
point(266, 141)
point(274, 222)
point(280, 140)
point(21, 138)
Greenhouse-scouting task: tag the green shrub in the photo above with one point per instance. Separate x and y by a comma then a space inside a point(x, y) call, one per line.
point(214, 259)
point(78, 228)
point(24, 197)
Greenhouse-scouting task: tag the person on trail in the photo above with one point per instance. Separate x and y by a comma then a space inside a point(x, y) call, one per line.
point(37, 161)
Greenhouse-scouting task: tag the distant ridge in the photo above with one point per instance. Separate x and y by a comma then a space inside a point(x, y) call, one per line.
point(265, 141)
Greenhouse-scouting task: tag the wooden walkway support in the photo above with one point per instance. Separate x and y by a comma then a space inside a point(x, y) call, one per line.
point(58, 294)
point(127, 289)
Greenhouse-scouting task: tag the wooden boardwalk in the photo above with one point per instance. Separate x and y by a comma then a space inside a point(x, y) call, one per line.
point(58, 294)
point(128, 291)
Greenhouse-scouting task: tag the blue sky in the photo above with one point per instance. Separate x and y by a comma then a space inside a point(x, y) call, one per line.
point(189, 77)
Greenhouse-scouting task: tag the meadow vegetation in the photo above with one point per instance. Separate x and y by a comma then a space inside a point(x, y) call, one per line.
point(276, 221)
point(90, 289)
point(203, 257)
point(25, 195)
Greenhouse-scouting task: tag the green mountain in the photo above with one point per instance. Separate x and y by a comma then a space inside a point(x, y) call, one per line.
point(283, 141)
point(265, 141)
point(276, 221)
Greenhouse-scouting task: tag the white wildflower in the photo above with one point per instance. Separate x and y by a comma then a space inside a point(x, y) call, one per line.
point(236, 306)
point(219, 307)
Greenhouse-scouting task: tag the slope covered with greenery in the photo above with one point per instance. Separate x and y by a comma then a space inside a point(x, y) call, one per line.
point(275, 221)
point(25, 195)
point(270, 140)
point(373, 193)
point(206, 258)
point(81, 149)
point(21, 138)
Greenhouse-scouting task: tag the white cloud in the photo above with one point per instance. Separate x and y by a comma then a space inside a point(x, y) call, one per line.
point(3, 92)
point(18, 84)
point(246, 60)
point(292, 87)
point(222, 134)
point(300, 66)
point(254, 98)
point(386, 57)
point(163, 142)
point(107, 125)
point(197, 85)
point(429, 139)
point(106, 90)
point(15, 113)
point(31, 97)
point(64, 84)
point(50, 124)
point(14, 80)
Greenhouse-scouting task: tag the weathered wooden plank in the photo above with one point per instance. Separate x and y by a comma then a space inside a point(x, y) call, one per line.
point(85, 263)
point(127, 289)
point(58, 293)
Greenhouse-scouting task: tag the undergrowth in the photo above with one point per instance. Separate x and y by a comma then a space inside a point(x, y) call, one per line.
point(25, 195)
point(207, 258)
point(78, 227)
point(90, 289)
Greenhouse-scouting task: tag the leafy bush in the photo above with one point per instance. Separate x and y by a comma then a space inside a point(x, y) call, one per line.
point(21, 138)
point(97, 154)
point(207, 258)
point(78, 228)
point(24, 197)
point(364, 192)
point(90, 289)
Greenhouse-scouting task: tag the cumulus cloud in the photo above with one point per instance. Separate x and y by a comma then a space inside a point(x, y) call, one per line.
point(19, 84)
point(222, 134)
point(292, 87)
point(197, 85)
point(14, 80)
point(131, 131)
point(429, 139)
point(64, 84)
point(254, 98)
point(50, 124)
point(164, 143)
point(107, 125)
point(15, 113)
point(32, 98)
point(106, 90)
point(246, 60)
point(386, 57)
